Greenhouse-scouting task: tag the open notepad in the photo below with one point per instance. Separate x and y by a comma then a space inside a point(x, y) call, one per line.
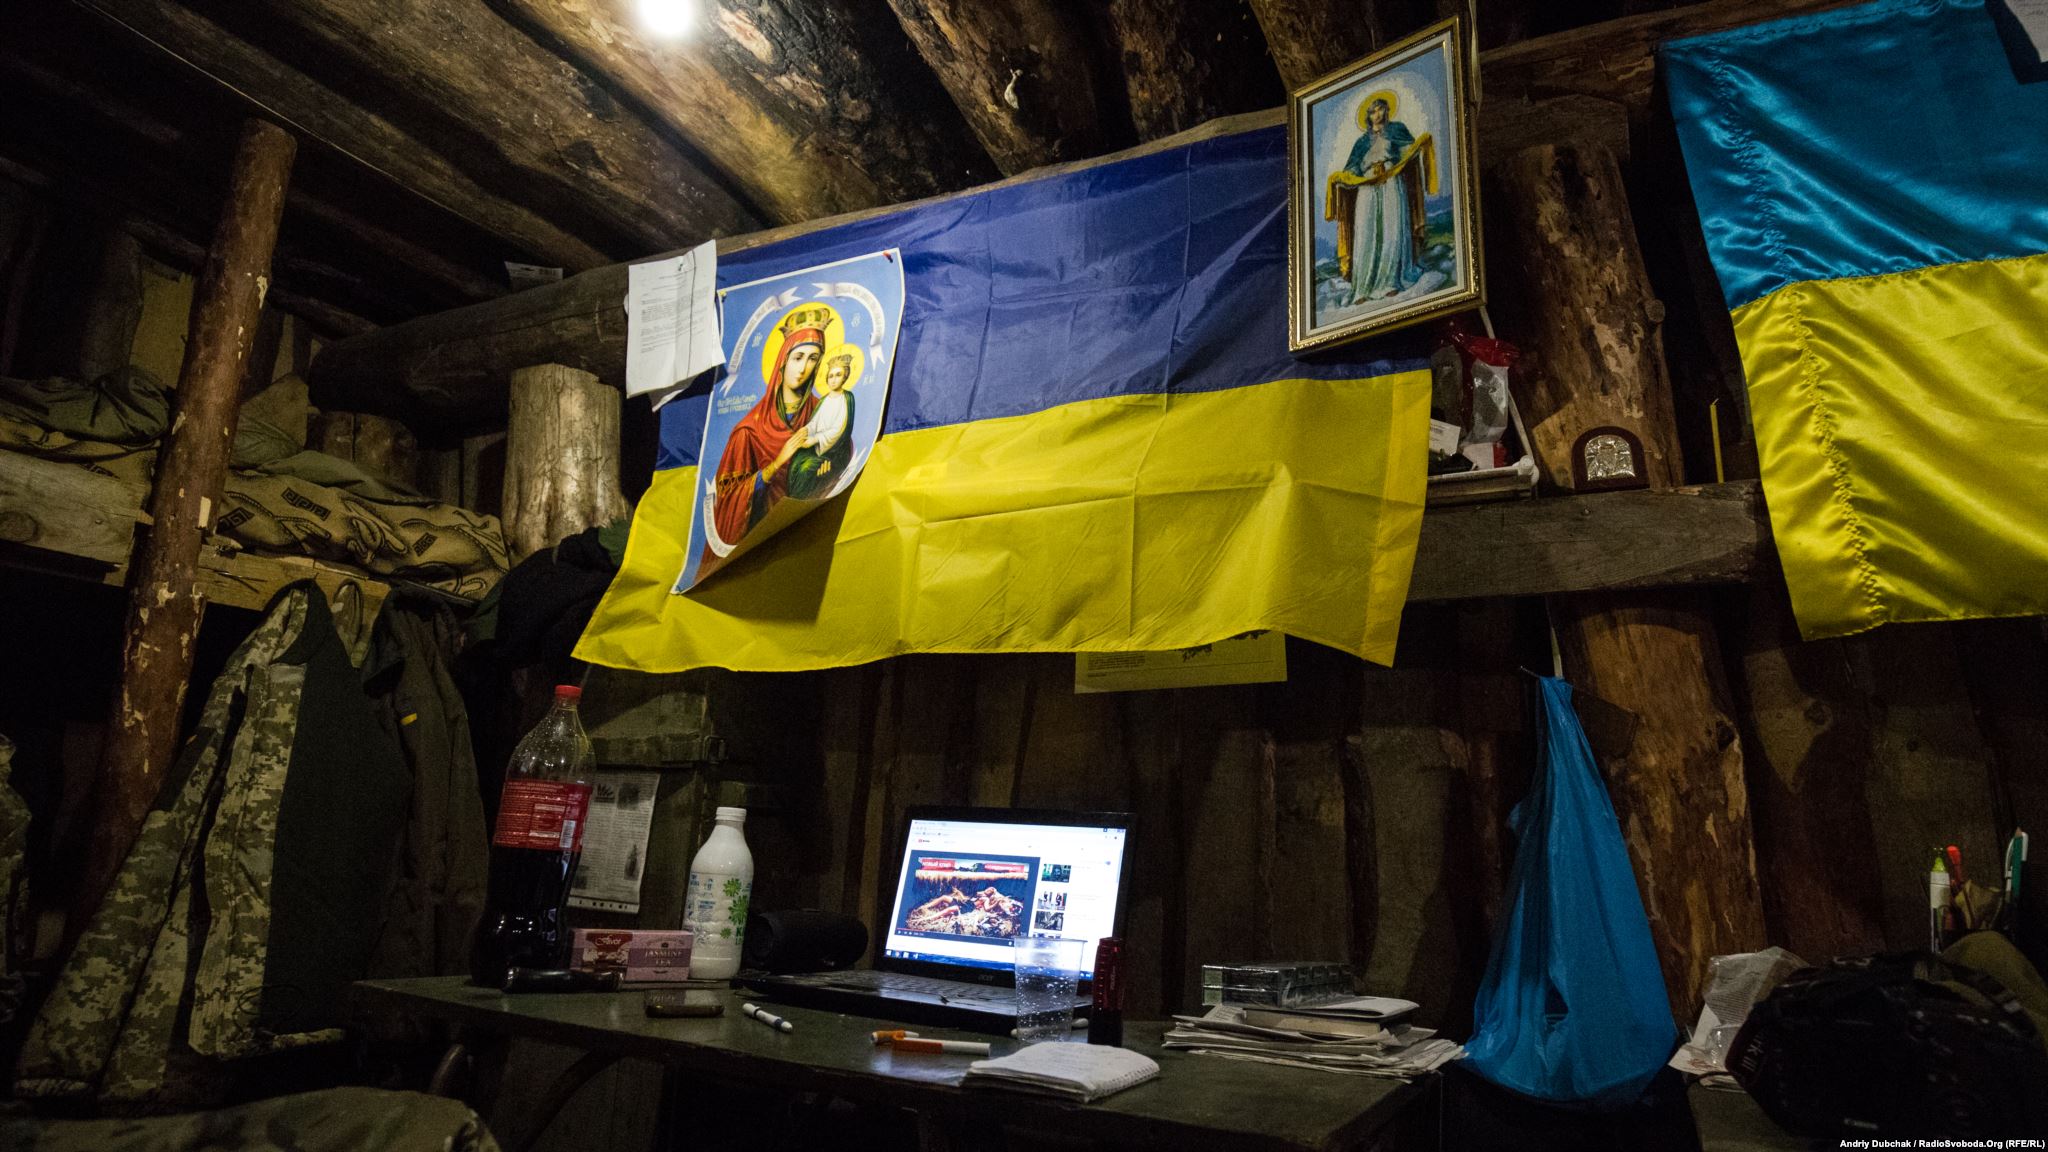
point(1080, 1072)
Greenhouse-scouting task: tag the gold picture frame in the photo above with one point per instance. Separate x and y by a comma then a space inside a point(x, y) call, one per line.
point(1382, 196)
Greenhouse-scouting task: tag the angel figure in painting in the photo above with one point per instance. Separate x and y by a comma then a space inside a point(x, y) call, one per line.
point(1377, 202)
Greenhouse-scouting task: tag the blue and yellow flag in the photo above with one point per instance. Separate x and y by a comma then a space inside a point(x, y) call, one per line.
point(1874, 186)
point(1096, 441)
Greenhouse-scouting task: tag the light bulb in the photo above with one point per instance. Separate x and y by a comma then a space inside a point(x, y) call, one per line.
point(668, 19)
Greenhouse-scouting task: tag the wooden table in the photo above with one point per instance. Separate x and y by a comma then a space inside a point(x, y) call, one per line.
point(1729, 1121)
point(1195, 1102)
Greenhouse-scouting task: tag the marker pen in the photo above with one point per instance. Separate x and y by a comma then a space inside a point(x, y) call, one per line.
point(952, 1047)
point(768, 1018)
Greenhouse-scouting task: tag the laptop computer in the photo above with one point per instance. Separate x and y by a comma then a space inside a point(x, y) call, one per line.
point(969, 882)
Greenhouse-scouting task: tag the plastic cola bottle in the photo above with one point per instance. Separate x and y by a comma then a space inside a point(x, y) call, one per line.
point(539, 835)
point(721, 886)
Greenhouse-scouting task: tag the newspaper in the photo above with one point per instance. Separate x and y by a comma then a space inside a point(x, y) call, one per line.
point(615, 841)
point(1400, 1052)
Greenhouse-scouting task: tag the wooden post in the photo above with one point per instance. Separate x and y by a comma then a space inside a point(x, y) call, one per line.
point(1578, 300)
point(164, 607)
point(561, 457)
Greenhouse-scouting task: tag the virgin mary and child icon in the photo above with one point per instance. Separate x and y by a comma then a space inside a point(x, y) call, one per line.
point(797, 441)
point(808, 356)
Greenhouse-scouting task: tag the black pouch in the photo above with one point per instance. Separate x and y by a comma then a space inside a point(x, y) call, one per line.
point(1892, 1045)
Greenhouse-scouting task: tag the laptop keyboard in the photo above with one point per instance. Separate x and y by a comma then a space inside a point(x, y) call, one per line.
point(918, 985)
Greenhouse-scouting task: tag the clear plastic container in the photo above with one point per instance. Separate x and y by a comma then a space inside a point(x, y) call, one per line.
point(721, 888)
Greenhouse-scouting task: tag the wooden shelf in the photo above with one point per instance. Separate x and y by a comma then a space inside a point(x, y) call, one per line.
point(1670, 537)
point(68, 521)
point(62, 518)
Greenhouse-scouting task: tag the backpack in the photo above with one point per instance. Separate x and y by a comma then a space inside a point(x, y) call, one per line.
point(1888, 1045)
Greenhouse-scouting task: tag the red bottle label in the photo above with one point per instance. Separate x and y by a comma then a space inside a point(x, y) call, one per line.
point(543, 814)
point(1109, 975)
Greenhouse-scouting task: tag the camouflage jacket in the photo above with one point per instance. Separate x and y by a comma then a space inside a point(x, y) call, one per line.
point(14, 816)
point(252, 893)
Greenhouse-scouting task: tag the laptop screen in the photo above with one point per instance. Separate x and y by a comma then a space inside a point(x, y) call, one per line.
point(969, 887)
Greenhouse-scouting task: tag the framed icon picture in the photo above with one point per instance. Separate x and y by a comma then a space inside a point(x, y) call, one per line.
point(1383, 207)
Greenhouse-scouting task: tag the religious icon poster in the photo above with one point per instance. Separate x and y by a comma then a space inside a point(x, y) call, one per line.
point(799, 407)
point(1383, 210)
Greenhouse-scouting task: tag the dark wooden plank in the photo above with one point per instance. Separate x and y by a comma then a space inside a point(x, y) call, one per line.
point(1617, 60)
point(1930, 778)
point(1408, 757)
point(1021, 72)
point(320, 112)
point(1187, 63)
point(2006, 663)
point(1195, 1102)
point(1709, 534)
point(1806, 739)
point(1311, 37)
point(444, 69)
point(811, 109)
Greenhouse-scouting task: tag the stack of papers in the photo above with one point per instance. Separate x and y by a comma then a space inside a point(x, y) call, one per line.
point(1397, 1052)
point(1079, 1072)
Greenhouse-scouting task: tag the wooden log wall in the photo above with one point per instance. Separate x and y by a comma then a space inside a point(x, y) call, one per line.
point(1332, 816)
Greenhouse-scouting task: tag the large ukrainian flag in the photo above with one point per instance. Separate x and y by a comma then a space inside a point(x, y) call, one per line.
point(1096, 441)
point(1874, 186)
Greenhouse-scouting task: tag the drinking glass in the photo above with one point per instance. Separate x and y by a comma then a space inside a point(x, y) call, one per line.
point(1048, 971)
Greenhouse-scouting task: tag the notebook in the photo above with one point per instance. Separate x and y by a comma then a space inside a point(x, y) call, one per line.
point(1078, 1072)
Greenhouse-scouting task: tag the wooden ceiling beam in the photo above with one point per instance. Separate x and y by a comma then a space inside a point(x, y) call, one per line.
point(165, 136)
point(1617, 60)
point(803, 106)
point(186, 254)
point(465, 281)
point(1187, 63)
point(450, 370)
point(1311, 37)
point(1021, 71)
point(447, 373)
point(458, 74)
point(323, 114)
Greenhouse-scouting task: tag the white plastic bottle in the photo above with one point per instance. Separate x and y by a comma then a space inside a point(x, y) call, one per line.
point(721, 887)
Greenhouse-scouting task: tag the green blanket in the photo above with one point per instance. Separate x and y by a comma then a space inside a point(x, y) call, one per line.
point(279, 498)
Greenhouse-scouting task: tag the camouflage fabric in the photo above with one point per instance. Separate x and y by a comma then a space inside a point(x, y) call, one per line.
point(131, 466)
point(13, 880)
point(128, 406)
point(447, 547)
point(152, 987)
point(229, 985)
point(336, 1120)
point(279, 498)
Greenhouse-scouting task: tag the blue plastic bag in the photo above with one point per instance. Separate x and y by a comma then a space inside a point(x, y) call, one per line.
point(1572, 1007)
